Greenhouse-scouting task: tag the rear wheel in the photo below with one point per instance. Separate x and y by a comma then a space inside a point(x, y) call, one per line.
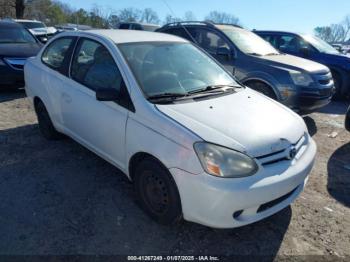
point(157, 192)
point(45, 124)
point(262, 88)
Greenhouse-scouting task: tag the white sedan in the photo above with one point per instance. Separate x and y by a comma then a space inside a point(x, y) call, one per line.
point(196, 144)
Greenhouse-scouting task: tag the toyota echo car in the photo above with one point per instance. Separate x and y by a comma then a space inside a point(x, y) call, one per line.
point(196, 144)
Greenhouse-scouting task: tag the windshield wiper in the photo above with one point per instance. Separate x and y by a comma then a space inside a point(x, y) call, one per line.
point(255, 54)
point(167, 95)
point(273, 54)
point(211, 88)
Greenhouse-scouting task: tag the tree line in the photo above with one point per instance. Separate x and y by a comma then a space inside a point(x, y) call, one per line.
point(55, 12)
point(335, 33)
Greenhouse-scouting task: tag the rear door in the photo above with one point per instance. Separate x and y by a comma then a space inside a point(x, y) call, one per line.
point(98, 125)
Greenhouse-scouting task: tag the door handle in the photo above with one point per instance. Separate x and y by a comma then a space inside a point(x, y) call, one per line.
point(66, 98)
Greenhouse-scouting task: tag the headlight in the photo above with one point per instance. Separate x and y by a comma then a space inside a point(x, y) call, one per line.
point(223, 162)
point(301, 79)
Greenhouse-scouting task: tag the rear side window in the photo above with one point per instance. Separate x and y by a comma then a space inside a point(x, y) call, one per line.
point(271, 39)
point(55, 53)
point(94, 67)
point(179, 32)
point(137, 27)
point(124, 26)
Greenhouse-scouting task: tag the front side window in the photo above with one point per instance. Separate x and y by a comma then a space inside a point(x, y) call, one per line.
point(94, 67)
point(55, 53)
point(291, 43)
point(320, 45)
point(248, 42)
point(208, 40)
point(169, 67)
point(15, 35)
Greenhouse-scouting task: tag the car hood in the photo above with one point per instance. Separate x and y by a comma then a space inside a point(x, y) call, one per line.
point(296, 63)
point(19, 50)
point(245, 121)
point(339, 57)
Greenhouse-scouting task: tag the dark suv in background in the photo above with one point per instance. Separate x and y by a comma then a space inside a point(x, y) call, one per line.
point(138, 26)
point(16, 45)
point(300, 84)
point(313, 48)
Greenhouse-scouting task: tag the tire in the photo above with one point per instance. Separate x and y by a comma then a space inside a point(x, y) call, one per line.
point(45, 124)
point(157, 192)
point(262, 88)
point(338, 85)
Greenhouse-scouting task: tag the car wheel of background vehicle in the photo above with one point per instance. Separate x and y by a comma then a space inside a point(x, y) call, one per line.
point(337, 84)
point(45, 124)
point(157, 192)
point(262, 88)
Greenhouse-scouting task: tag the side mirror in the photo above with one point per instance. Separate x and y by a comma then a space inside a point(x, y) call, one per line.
point(224, 52)
point(305, 51)
point(107, 94)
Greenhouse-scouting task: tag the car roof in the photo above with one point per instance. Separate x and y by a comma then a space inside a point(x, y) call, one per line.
point(217, 26)
point(138, 23)
point(274, 32)
point(129, 36)
point(26, 20)
point(9, 24)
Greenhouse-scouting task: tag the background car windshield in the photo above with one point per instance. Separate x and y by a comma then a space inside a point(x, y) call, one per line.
point(173, 67)
point(249, 42)
point(32, 25)
point(320, 45)
point(15, 35)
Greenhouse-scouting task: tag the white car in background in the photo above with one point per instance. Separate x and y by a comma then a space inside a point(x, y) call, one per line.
point(196, 143)
point(38, 28)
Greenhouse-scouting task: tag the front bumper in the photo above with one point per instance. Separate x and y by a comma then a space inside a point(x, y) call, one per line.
point(234, 202)
point(11, 78)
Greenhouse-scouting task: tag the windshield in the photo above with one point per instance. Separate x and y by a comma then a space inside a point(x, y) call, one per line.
point(33, 25)
point(249, 42)
point(173, 68)
point(320, 45)
point(15, 35)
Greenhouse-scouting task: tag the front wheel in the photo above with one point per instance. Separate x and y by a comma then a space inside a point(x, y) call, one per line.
point(157, 192)
point(337, 84)
point(262, 88)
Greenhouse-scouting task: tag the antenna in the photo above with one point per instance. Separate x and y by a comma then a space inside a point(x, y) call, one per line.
point(173, 13)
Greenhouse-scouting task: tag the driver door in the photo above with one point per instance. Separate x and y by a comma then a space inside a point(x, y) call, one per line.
point(98, 125)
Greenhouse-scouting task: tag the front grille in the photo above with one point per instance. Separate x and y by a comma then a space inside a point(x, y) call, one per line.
point(326, 92)
point(16, 63)
point(288, 153)
point(275, 202)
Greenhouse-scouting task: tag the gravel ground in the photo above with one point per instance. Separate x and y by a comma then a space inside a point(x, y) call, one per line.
point(58, 198)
